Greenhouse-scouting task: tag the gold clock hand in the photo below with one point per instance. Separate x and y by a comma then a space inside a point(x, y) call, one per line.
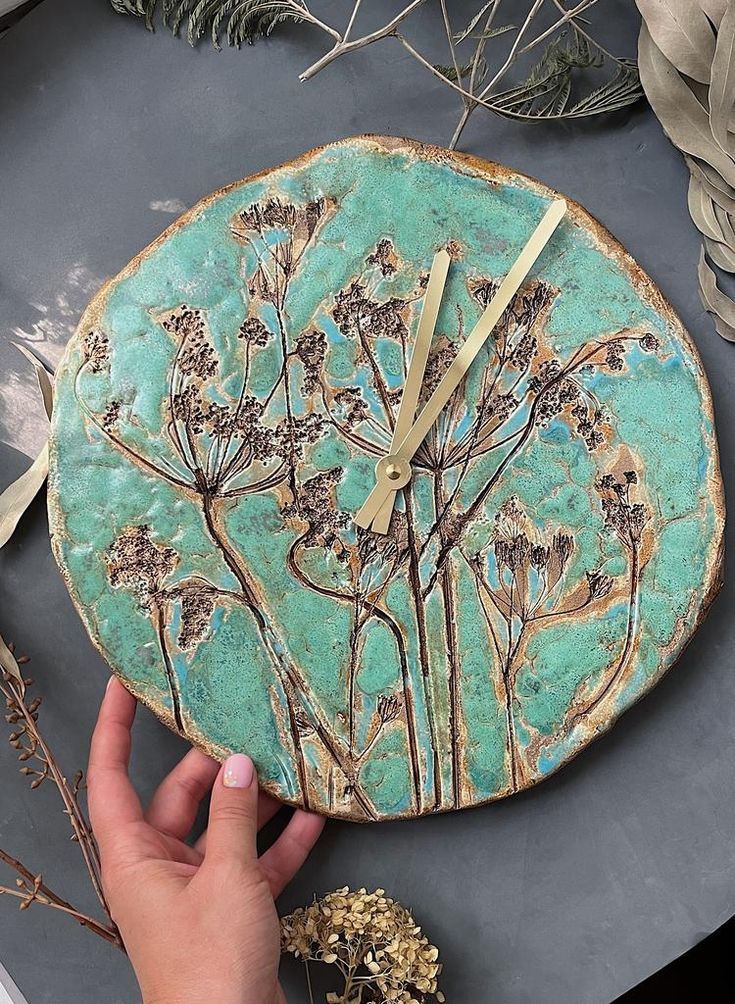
point(394, 471)
point(416, 368)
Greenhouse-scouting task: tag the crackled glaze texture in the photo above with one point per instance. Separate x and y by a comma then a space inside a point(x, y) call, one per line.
point(218, 417)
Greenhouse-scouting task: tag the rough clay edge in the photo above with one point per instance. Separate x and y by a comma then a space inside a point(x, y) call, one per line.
point(494, 173)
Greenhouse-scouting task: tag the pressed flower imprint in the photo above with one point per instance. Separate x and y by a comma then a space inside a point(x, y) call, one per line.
point(220, 414)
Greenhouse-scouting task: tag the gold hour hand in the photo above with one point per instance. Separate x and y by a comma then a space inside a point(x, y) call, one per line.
point(416, 369)
point(394, 471)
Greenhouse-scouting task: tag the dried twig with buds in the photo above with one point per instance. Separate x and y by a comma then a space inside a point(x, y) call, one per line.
point(40, 765)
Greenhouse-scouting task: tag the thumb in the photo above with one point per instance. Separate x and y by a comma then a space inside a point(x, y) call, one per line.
point(233, 813)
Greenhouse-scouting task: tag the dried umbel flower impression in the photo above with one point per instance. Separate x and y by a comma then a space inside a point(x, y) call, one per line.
point(373, 941)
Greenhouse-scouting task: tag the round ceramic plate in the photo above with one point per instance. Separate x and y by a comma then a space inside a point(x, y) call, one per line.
point(218, 418)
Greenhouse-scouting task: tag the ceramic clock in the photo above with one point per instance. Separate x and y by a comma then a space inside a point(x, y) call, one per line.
point(391, 469)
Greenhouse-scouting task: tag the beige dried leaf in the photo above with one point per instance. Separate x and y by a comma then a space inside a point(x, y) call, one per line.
point(720, 254)
point(42, 375)
point(715, 301)
point(696, 118)
point(714, 9)
point(683, 33)
point(718, 190)
point(683, 118)
point(15, 499)
point(722, 87)
point(720, 198)
point(9, 663)
point(723, 330)
point(702, 210)
point(706, 171)
point(724, 221)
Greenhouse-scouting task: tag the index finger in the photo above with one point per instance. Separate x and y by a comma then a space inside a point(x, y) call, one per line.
point(113, 802)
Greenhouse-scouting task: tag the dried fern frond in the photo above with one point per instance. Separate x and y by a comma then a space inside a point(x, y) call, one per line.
point(547, 90)
point(248, 20)
point(238, 20)
point(457, 74)
point(546, 93)
point(139, 8)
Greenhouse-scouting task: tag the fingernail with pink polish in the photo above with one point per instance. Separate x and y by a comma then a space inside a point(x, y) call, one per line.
point(238, 772)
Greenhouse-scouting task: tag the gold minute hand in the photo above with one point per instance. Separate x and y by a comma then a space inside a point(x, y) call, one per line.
point(416, 367)
point(394, 471)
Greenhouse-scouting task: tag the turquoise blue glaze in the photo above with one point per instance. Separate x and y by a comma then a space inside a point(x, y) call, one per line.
point(268, 626)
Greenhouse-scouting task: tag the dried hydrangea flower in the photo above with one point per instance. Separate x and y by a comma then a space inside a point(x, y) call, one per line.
point(375, 943)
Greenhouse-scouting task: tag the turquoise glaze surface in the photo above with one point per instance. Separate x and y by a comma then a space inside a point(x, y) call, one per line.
point(218, 417)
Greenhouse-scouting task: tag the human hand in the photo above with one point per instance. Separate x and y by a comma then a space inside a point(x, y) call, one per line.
point(199, 923)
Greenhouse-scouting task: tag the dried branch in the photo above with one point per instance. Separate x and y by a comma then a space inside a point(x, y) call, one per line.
point(343, 46)
point(40, 764)
point(30, 888)
point(545, 93)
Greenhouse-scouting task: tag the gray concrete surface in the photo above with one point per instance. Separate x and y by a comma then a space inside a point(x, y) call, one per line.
point(569, 893)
